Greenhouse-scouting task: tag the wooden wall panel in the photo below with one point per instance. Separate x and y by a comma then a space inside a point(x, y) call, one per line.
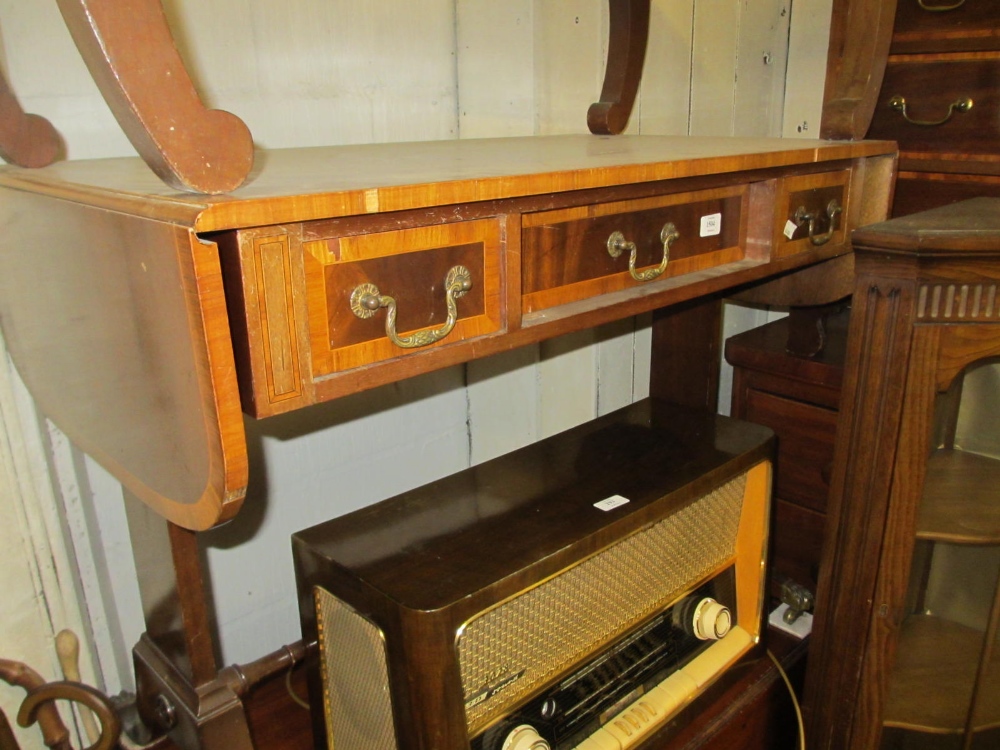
point(716, 44)
point(808, 42)
point(761, 59)
point(496, 100)
point(664, 103)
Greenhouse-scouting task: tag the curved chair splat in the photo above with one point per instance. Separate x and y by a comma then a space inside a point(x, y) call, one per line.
point(626, 56)
point(128, 47)
point(25, 140)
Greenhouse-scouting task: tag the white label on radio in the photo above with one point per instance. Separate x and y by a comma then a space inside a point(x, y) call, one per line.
point(711, 225)
point(610, 503)
point(790, 227)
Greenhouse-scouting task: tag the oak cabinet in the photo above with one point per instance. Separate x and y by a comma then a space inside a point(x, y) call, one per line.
point(908, 609)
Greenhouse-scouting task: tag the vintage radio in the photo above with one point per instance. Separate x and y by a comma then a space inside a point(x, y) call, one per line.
point(578, 593)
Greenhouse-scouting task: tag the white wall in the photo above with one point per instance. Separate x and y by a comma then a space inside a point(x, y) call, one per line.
point(38, 577)
point(303, 72)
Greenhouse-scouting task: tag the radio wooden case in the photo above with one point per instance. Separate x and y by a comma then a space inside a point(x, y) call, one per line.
point(448, 616)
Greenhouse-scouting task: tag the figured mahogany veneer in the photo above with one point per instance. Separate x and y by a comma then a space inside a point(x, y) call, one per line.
point(930, 84)
point(565, 252)
point(811, 194)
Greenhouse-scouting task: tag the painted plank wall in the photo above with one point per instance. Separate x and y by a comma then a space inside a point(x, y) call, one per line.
point(305, 72)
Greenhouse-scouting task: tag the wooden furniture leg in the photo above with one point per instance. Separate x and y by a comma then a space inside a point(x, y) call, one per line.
point(25, 140)
point(128, 47)
point(626, 56)
point(686, 350)
point(870, 419)
point(180, 689)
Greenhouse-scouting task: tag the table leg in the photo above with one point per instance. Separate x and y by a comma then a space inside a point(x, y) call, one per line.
point(180, 690)
point(687, 341)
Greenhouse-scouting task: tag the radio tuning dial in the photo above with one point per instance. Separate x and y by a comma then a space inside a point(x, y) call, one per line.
point(711, 620)
point(524, 737)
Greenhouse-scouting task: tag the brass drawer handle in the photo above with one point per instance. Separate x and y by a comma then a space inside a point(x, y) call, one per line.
point(617, 244)
point(802, 216)
point(366, 300)
point(940, 8)
point(898, 103)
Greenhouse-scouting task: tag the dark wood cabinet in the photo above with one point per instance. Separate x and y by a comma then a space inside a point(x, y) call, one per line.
point(797, 397)
point(908, 607)
point(940, 100)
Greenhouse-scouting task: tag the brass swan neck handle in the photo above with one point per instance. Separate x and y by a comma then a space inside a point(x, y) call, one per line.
point(898, 103)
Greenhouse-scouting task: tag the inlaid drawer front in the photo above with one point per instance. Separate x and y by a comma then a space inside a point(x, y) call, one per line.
point(576, 253)
point(935, 105)
point(812, 211)
point(946, 25)
point(306, 305)
point(373, 297)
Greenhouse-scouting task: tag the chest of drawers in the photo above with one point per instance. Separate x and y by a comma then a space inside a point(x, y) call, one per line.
point(940, 100)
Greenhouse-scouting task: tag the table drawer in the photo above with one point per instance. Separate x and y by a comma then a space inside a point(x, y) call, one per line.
point(924, 104)
point(812, 211)
point(580, 252)
point(356, 285)
point(317, 305)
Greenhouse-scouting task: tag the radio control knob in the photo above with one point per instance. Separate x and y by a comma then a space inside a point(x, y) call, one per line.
point(525, 737)
point(711, 620)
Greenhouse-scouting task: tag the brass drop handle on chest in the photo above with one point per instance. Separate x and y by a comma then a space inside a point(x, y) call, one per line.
point(366, 300)
point(801, 216)
point(940, 8)
point(898, 103)
point(618, 244)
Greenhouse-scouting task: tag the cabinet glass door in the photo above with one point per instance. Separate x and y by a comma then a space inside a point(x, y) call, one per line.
point(944, 687)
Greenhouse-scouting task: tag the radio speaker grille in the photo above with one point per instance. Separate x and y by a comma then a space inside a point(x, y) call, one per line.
point(356, 694)
point(547, 629)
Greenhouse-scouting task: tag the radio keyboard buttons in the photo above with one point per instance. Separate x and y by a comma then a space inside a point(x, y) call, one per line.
point(642, 718)
point(708, 665)
point(600, 740)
